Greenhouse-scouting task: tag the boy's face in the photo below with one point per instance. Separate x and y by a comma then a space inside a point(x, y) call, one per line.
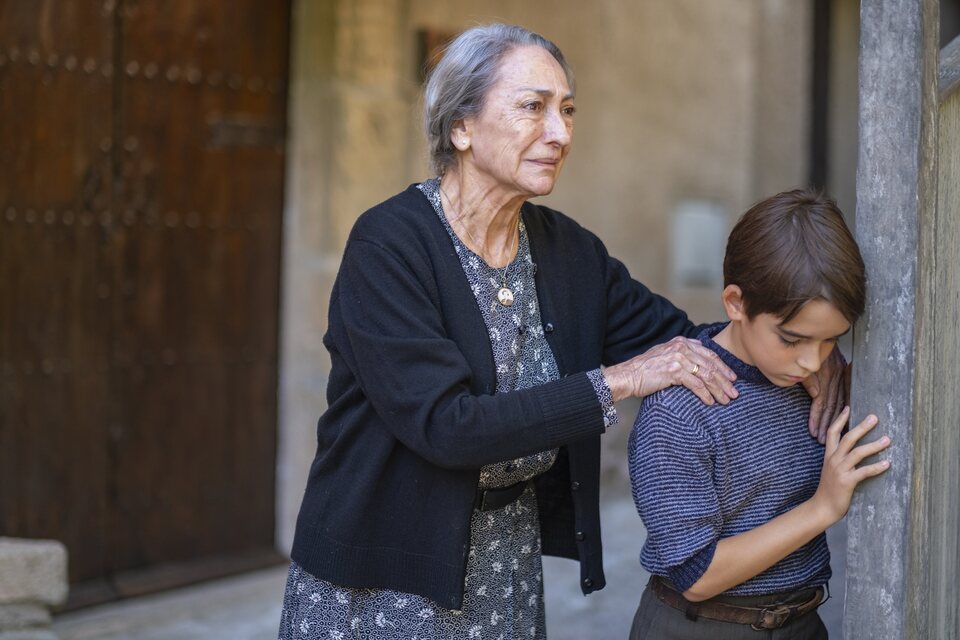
point(788, 353)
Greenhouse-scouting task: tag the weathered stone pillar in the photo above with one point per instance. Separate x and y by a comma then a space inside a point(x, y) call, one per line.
point(902, 547)
point(33, 578)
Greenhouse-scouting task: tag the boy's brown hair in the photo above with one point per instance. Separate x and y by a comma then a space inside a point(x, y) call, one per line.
point(793, 248)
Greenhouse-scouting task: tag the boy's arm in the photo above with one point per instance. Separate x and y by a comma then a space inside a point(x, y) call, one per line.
point(671, 459)
point(741, 557)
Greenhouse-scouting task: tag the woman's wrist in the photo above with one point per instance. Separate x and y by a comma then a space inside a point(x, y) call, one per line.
point(604, 396)
point(617, 380)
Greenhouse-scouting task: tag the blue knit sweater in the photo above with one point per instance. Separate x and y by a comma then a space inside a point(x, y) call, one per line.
point(702, 473)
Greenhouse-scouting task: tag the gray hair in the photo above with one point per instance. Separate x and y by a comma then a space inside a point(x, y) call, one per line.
point(458, 85)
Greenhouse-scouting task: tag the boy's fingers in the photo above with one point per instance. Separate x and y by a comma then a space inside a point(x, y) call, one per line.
point(849, 441)
point(869, 449)
point(833, 433)
point(870, 470)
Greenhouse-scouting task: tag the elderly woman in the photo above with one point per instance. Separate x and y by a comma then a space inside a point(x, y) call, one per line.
point(468, 334)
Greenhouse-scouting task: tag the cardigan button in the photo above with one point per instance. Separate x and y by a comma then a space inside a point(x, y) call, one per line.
point(587, 582)
point(548, 328)
point(575, 486)
point(579, 536)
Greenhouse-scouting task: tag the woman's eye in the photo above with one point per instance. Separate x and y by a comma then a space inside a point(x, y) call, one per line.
point(533, 106)
point(569, 110)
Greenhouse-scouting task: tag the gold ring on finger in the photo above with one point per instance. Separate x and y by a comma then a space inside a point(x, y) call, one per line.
point(696, 369)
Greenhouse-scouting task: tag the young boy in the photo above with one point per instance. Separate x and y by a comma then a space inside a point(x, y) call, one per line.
point(736, 498)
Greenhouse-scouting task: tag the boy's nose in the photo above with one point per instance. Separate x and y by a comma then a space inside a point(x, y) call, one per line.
point(810, 361)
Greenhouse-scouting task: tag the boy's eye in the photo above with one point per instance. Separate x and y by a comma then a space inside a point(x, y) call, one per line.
point(789, 343)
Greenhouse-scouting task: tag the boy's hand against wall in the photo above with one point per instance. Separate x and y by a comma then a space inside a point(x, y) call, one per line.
point(840, 474)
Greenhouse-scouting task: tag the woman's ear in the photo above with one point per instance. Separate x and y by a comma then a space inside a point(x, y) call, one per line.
point(460, 135)
point(733, 302)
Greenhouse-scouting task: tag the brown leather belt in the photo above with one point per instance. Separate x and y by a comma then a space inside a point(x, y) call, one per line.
point(767, 616)
point(489, 499)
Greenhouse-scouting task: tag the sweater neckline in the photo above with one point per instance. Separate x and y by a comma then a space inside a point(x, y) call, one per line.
point(744, 371)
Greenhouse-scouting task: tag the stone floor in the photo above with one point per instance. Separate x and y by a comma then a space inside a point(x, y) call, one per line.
point(248, 607)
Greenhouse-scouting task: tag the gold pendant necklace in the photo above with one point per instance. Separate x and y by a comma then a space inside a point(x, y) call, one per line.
point(505, 295)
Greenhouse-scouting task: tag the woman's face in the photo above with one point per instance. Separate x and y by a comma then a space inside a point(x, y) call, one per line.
point(522, 135)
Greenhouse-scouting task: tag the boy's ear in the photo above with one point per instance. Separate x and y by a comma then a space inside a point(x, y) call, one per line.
point(733, 303)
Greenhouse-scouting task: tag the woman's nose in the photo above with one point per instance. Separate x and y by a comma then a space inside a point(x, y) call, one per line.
point(557, 129)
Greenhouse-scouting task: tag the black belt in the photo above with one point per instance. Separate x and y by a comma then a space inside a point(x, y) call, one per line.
point(490, 499)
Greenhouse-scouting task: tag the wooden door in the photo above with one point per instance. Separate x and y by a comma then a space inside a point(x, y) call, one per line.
point(141, 195)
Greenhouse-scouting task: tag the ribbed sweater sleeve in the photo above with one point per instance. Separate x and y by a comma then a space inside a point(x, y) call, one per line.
point(671, 473)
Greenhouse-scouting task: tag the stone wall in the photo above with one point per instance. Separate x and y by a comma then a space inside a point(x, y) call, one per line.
point(677, 99)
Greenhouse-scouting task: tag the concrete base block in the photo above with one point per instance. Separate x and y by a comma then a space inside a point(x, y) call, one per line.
point(23, 616)
point(32, 571)
point(33, 577)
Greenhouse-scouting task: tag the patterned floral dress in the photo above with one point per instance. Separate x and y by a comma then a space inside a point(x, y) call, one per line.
point(503, 589)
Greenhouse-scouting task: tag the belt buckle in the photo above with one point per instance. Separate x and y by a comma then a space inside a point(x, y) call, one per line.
point(772, 618)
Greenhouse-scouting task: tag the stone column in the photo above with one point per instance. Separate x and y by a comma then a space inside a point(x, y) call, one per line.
point(888, 555)
point(33, 578)
point(352, 87)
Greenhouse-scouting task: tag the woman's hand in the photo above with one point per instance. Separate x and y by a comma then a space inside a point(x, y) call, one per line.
point(681, 361)
point(830, 389)
point(840, 474)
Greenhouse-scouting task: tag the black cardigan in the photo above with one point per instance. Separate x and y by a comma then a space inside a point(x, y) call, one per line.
point(412, 414)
